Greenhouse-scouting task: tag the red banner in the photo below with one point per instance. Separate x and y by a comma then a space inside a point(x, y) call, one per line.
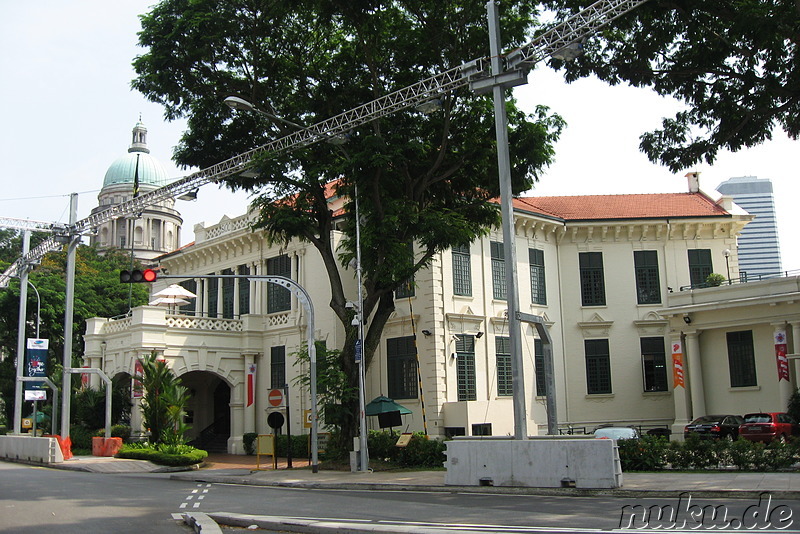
point(251, 384)
point(780, 355)
point(677, 365)
point(138, 372)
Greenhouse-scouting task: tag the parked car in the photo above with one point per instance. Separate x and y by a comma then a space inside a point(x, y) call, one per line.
point(715, 426)
point(768, 426)
point(616, 432)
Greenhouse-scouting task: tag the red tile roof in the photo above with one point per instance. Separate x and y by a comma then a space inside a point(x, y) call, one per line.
point(603, 207)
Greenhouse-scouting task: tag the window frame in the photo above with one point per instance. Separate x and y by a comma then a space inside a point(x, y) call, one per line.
point(502, 348)
point(279, 299)
point(537, 273)
point(598, 367)
point(700, 265)
point(654, 364)
point(497, 255)
point(648, 280)
point(741, 359)
point(401, 368)
point(465, 368)
point(462, 270)
point(592, 277)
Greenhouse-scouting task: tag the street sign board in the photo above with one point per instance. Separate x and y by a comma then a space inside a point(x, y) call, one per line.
point(275, 397)
point(358, 351)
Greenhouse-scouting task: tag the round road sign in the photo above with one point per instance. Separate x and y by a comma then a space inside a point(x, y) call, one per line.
point(275, 397)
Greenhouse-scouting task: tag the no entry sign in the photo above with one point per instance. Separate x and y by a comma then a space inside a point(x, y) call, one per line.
point(275, 397)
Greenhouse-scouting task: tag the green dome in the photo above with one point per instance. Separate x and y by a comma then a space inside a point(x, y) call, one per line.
point(123, 170)
point(137, 161)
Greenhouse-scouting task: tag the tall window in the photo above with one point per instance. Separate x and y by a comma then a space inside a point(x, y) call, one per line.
point(401, 367)
point(498, 270)
point(244, 290)
point(699, 265)
point(465, 367)
point(227, 294)
point(654, 363)
point(538, 362)
point(213, 291)
point(598, 366)
point(406, 289)
point(648, 286)
point(741, 359)
point(277, 367)
point(502, 349)
point(538, 293)
point(462, 273)
point(279, 298)
point(593, 289)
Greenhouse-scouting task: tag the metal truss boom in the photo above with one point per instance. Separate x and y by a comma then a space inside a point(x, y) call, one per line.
point(519, 61)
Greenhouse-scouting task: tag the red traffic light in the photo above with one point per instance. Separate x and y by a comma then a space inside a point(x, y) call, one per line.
point(137, 276)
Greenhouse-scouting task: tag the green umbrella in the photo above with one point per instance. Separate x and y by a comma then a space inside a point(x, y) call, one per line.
point(382, 404)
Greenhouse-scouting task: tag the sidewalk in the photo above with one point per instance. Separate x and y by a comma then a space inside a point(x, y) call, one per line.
point(233, 469)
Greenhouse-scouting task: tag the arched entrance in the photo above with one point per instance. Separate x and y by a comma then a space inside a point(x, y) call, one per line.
point(208, 410)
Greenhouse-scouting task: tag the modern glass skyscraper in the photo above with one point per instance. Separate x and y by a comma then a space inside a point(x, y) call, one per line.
point(759, 250)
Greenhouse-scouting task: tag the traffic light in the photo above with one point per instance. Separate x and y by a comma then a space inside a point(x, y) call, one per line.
point(137, 276)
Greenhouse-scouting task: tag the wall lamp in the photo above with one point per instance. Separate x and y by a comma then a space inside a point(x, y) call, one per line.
point(426, 332)
point(479, 335)
point(687, 319)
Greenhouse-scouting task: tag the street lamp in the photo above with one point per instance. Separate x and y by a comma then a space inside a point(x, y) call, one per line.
point(727, 254)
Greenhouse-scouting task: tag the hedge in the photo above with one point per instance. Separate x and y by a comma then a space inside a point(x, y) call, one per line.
point(174, 455)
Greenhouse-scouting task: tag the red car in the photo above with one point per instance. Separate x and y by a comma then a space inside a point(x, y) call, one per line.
point(768, 426)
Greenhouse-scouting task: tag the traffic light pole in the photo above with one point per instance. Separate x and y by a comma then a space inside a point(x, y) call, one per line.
point(66, 388)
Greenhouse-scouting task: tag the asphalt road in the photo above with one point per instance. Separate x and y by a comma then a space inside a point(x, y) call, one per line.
point(35, 500)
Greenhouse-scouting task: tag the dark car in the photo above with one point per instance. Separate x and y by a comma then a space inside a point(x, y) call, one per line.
point(768, 426)
point(715, 426)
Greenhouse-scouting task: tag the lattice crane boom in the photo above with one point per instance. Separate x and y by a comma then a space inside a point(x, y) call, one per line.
point(518, 62)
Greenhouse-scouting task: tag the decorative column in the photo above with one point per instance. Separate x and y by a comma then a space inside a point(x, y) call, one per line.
point(220, 300)
point(205, 282)
point(694, 367)
point(236, 299)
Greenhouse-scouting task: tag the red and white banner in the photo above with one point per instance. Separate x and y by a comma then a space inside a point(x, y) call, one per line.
point(780, 355)
point(138, 373)
point(677, 365)
point(251, 384)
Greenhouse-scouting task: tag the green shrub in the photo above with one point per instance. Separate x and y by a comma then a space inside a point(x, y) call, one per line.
point(162, 454)
point(117, 431)
point(420, 451)
point(81, 437)
point(646, 454)
point(299, 445)
point(249, 442)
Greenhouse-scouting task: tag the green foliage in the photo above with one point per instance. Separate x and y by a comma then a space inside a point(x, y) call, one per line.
point(646, 454)
point(424, 179)
point(730, 62)
point(299, 445)
point(249, 442)
point(420, 451)
point(793, 408)
point(98, 293)
point(163, 454)
point(695, 453)
point(163, 403)
point(81, 437)
point(714, 280)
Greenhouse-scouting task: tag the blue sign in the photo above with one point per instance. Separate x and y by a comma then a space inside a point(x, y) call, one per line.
point(358, 351)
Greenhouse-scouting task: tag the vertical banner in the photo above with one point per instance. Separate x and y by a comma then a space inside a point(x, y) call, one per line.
point(85, 379)
point(136, 385)
point(677, 365)
point(36, 365)
point(251, 384)
point(780, 355)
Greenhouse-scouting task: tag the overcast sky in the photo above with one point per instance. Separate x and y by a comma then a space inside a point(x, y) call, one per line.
point(68, 111)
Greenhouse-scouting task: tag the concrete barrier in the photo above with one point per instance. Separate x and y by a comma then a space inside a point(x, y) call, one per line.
point(535, 463)
point(31, 449)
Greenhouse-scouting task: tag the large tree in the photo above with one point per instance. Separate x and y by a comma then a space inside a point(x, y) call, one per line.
point(422, 179)
point(734, 63)
point(98, 293)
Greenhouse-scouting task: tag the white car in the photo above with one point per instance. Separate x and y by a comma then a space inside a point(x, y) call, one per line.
point(616, 432)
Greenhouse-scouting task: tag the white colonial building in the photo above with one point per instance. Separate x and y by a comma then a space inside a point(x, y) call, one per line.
point(612, 277)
